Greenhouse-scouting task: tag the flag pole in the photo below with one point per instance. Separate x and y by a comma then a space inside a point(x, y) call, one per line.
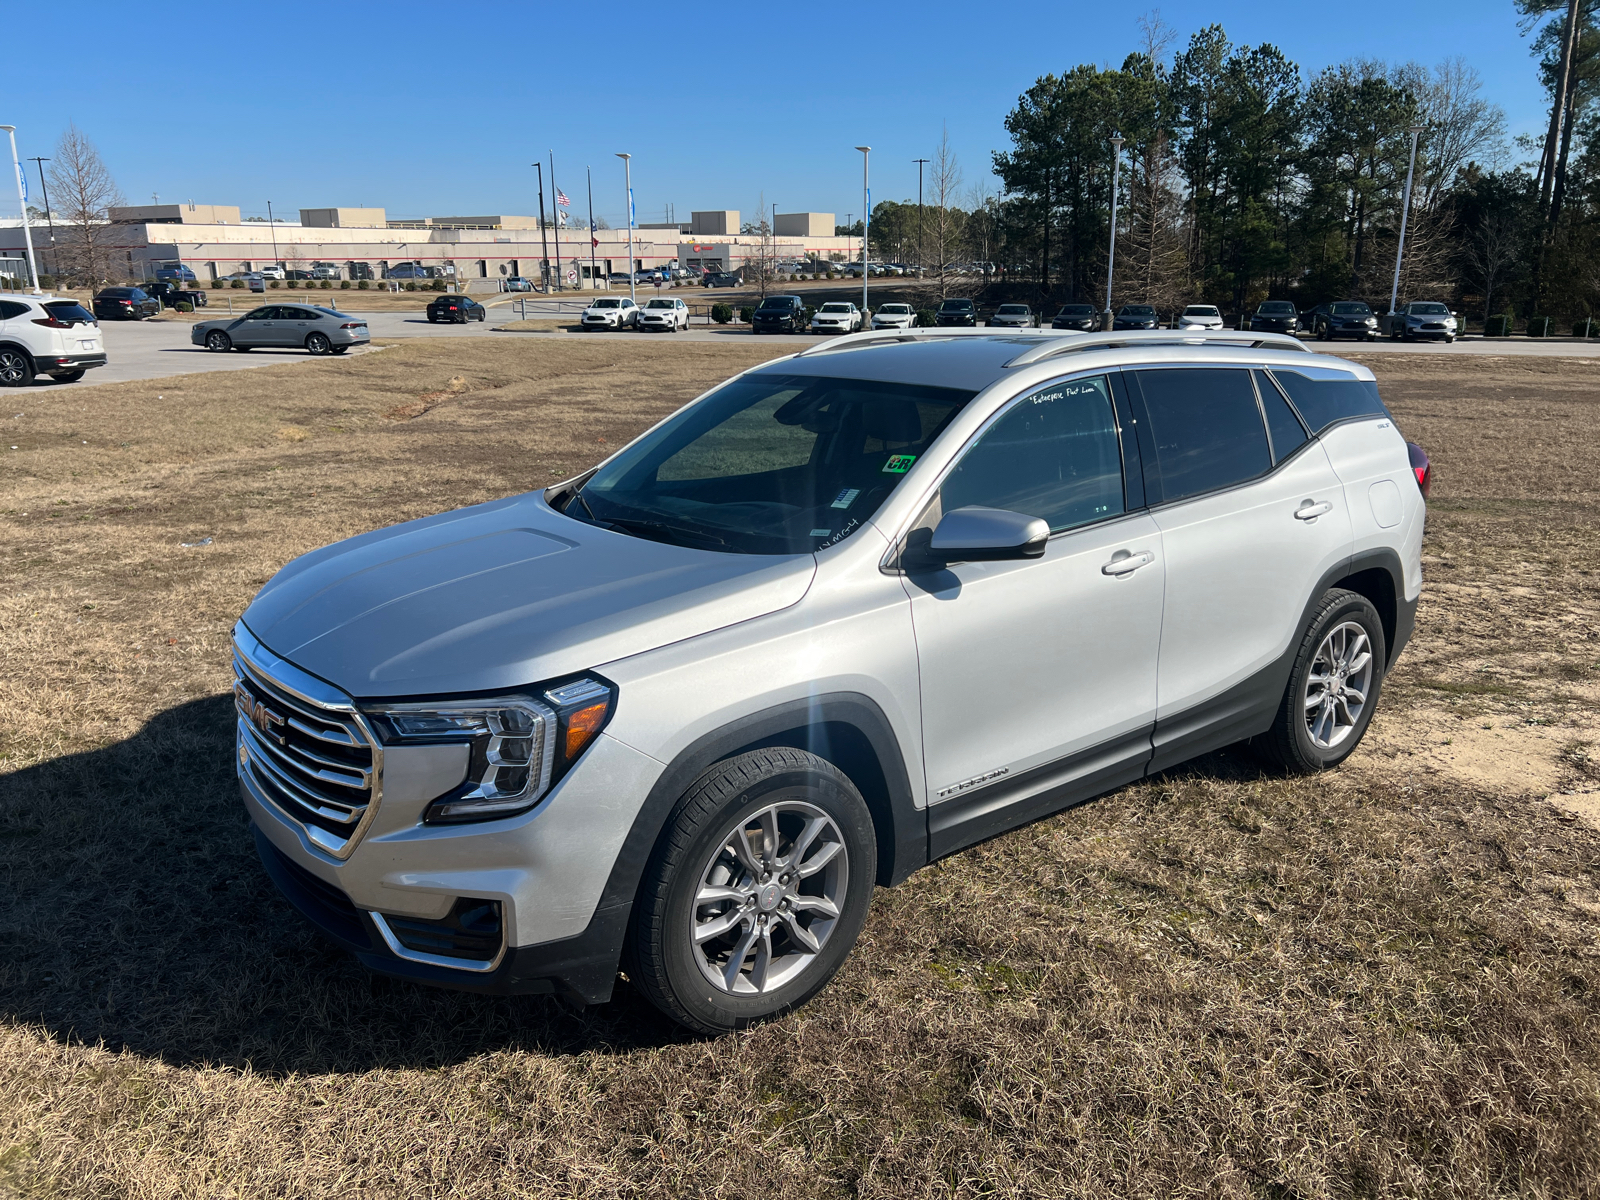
point(555, 195)
point(589, 175)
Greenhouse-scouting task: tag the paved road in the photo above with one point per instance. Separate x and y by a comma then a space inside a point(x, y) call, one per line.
point(158, 349)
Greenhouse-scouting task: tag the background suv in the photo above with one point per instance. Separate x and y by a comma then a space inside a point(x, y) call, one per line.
point(1135, 316)
point(124, 304)
point(41, 335)
point(1275, 316)
point(956, 312)
point(847, 613)
point(779, 314)
point(1081, 318)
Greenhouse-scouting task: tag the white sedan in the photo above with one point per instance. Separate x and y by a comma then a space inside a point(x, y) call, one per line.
point(1200, 316)
point(611, 312)
point(836, 316)
point(894, 316)
point(664, 312)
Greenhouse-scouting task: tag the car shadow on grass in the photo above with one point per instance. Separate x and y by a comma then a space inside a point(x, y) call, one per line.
point(135, 914)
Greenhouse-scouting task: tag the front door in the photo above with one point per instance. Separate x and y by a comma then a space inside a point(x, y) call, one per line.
point(255, 328)
point(1038, 677)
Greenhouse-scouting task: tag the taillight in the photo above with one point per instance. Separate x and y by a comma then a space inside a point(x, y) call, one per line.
point(52, 323)
point(352, 325)
point(1421, 467)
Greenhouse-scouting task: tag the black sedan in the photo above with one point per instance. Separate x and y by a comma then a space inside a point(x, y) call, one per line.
point(1136, 316)
point(956, 312)
point(1274, 316)
point(125, 304)
point(1344, 318)
point(780, 314)
point(1081, 317)
point(458, 309)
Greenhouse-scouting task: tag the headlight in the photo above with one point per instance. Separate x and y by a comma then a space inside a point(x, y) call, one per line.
point(520, 745)
point(1372, 320)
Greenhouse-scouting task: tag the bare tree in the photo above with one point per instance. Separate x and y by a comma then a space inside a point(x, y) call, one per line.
point(946, 220)
point(1154, 205)
point(1493, 253)
point(84, 193)
point(1458, 124)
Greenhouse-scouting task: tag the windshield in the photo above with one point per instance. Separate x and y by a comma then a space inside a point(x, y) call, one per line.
point(1276, 308)
point(1356, 309)
point(1430, 309)
point(1012, 310)
point(956, 305)
point(1138, 310)
point(841, 308)
point(896, 309)
point(778, 302)
point(1076, 310)
point(662, 304)
point(1201, 310)
point(769, 463)
point(606, 304)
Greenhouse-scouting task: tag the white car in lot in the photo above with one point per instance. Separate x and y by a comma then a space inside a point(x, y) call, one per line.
point(894, 316)
point(1014, 316)
point(47, 335)
point(664, 312)
point(836, 316)
point(611, 312)
point(1200, 316)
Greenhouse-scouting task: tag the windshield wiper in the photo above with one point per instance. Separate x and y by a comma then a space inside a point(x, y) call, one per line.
point(654, 530)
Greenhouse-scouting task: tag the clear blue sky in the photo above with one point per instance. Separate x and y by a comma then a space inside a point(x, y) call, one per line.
point(440, 109)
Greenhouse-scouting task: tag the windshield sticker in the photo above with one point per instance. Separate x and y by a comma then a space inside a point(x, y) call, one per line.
point(835, 538)
point(822, 533)
point(846, 498)
point(899, 464)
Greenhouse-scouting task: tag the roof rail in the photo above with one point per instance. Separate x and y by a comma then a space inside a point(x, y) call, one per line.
point(1074, 343)
point(888, 337)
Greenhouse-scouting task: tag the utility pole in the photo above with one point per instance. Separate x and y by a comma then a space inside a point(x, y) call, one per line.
point(272, 227)
point(921, 260)
point(627, 177)
point(22, 195)
point(1111, 257)
point(1405, 212)
point(555, 203)
point(544, 265)
point(589, 176)
point(49, 217)
point(866, 224)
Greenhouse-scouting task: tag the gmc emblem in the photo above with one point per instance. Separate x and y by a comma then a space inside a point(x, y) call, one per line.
point(270, 723)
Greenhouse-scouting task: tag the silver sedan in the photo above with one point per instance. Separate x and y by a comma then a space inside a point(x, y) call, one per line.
point(283, 326)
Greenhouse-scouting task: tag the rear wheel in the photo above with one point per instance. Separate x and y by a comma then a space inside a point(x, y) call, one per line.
point(218, 341)
point(757, 892)
point(318, 343)
point(16, 368)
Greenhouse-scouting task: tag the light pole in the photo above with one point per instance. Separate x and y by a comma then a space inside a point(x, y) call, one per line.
point(49, 217)
point(921, 261)
point(22, 197)
point(272, 228)
point(1111, 257)
point(555, 213)
point(866, 225)
point(544, 245)
point(627, 179)
point(589, 177)
point(1405, 212)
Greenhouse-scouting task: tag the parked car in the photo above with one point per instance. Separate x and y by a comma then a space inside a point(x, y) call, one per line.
point(516, 283)
point(700, 707)
point(1013, 316)
point(723, 279)
point(856, 270)
point(272, 271)
point(299, 273)
point(1274, 316)
point(1081, 317)
point(455, 308)
point(649, 275)
point(664, 313)
point(124, 304)
point(177, 274)
point(1199, 316)
point(894, 316)
point(1421, 320)
point(309, 327)
point(1344, 318)
point(1135, 316)
point(619, 277)
point(324, 270)
point(43, 335)
point(957, 312)
point(610, 312)
point(408, 270)
point(779, 314)
point(170, 294)
point(836, 316)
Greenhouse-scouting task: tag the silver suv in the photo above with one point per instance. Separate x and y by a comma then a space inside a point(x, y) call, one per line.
point(849, 612)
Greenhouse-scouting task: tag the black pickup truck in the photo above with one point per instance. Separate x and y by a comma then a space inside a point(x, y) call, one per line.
point(170, 293)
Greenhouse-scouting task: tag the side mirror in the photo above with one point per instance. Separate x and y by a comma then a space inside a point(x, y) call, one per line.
point(976, 534)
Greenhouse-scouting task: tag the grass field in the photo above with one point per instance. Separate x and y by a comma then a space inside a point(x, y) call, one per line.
point(1384, 981)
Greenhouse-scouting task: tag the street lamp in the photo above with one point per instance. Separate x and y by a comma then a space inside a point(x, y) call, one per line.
point(866, 225)
point(921, 260)
point(22, 198)
point(1111, 257)
point(627, 177)
point(1405, 212)
point(49, 216)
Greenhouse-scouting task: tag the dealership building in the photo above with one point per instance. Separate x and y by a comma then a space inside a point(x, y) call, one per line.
point(362, 243)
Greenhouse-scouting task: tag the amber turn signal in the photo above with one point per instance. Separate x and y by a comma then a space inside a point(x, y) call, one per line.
point(582, 725)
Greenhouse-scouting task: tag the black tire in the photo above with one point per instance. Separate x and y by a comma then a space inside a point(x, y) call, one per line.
point(244, 349)
point(318, 344)
point(1289, 743)
point(340, 349)
point(662, 953)
point(67, 376)
point(218, 342)
point(16, 368)
point(432, 320)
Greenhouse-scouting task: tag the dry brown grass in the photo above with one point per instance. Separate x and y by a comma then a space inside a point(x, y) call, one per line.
point(1382, 982)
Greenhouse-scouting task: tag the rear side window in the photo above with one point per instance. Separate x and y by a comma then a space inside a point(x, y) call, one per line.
point(1054, 455)
point(1325, 396)
point(1287, 434)
point(10, 308)
point(1205, 430)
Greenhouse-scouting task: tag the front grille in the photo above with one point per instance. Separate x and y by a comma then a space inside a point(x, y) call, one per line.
point(314, 762)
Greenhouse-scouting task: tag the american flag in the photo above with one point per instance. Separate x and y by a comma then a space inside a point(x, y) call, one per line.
point(561, 199)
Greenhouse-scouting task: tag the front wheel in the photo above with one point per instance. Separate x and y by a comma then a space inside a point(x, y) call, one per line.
point(318, 343)
point(218, 342)
point(16, 369)
point(757, 892)
point(1333, 686)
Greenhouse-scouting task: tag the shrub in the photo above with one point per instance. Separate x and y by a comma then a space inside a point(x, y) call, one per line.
point(363, 284)
point(344, 285)
point(925, 316)
point(236, 283)
point(721, 313)
point(217, 283)
point(1499, 326)
point(745, 314)
point(47, 282)
point(1540, 327)
point(272, 283)
point(183, 306)
point(439, 285)
point(326, 284)
point(1586, 328)
point(410, 286)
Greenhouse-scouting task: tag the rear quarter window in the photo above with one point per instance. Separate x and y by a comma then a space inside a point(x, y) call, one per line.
point(1324, 396)
point(1204, 428)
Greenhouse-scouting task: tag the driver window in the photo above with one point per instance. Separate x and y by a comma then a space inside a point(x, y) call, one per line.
point(1054, 454)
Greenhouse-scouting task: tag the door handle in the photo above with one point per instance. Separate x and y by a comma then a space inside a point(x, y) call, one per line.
point(1123, 563)
point(1310, 512)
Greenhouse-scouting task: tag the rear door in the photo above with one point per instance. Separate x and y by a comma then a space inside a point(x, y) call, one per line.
point(1248, 535)
point(294, 324)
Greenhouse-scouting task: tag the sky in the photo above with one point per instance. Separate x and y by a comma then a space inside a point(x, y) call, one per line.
point(441, 110)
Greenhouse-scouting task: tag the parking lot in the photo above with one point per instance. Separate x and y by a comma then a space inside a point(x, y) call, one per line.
point(1309, 980)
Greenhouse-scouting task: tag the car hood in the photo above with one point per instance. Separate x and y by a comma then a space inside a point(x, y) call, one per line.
point(502, 595)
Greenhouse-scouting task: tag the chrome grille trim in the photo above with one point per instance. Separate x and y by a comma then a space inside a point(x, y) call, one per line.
point(289, 755)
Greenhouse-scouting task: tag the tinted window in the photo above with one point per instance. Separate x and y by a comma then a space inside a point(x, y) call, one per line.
point(1324, 396)
point(1277, 308)
point(1288, 435)
point(1351, 310)
point(1076, 310)
point(68, 310)
point(1012, 310)
point(10, 308)
point(259, 314)
point(1429, 309)
point(1053, 455)
point(116, 293)
point(1205, 428)
point(1138, 310)
point(955, 306)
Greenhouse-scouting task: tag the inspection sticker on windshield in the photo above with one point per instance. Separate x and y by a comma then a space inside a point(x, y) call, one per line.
point(845, 498)
point(899, 464)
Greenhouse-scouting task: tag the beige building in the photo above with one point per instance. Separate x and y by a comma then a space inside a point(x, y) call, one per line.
point(724, 222)
point(175, 214)
point(804, 225)
point(343, 218)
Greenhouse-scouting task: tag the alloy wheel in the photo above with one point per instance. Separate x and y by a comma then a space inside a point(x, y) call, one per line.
point(1338, 684)
point(769, 898)
point(13, 367)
